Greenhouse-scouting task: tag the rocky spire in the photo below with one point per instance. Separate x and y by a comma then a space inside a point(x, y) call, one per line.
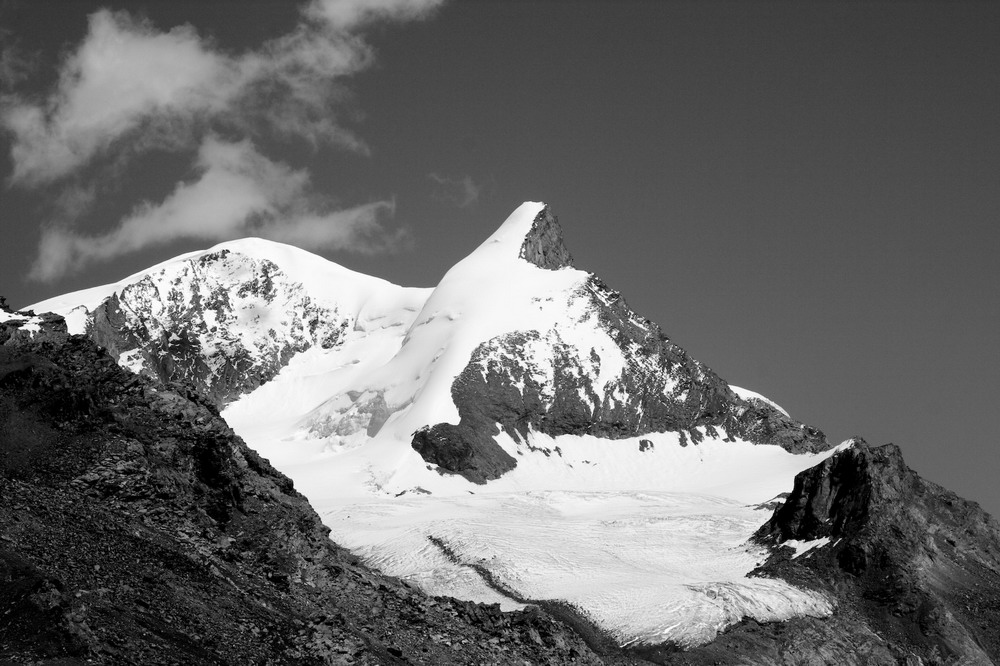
point(543, 245)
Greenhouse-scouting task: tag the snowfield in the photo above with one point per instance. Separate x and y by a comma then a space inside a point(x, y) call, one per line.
point(648, 537)
point(647, 567)
point(651, 545)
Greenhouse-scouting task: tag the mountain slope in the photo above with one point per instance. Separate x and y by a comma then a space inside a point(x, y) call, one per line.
point(228, 319)
point(918, 564)
point(135, 528)
point(597, 368)
point(517, 369)
point(517, 433)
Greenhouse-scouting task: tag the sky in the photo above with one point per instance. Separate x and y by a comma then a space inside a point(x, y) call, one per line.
point(805, 195)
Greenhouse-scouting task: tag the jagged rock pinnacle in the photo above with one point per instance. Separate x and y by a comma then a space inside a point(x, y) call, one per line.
point(543, 245)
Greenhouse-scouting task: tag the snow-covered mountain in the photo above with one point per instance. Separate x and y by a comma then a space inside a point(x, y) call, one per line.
point(228, 319)
point(515, 433)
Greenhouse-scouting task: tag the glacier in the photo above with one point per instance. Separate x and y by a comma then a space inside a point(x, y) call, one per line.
point(647, 535)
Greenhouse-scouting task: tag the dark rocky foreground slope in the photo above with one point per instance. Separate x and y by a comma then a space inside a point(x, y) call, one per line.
point(135, 528)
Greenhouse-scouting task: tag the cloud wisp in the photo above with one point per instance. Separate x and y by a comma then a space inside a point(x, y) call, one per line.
point(129, 88)
point(460, 192)
point(238, 192)
point(122, 75)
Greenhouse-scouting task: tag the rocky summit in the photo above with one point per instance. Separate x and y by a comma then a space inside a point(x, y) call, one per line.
point(518, 469)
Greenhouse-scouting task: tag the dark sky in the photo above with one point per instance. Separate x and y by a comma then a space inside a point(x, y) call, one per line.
point(805, 195)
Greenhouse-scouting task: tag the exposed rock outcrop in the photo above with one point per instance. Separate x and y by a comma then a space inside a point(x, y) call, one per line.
point(914, 569)
point(918, 563)
point(535, 381)
point(224, 322)
point(543, 245)
point(24, 326)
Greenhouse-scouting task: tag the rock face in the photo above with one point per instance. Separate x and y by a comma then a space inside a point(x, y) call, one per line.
point(223, 322)
point(135, 528)
point(25, 326)
point(540, 381)
point(915, 570)
point(917, 564)
point(543, 245)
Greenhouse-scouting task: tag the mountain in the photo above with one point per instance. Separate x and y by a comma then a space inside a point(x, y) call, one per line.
point(136, 528)
point(518, 434)
point(227, 320)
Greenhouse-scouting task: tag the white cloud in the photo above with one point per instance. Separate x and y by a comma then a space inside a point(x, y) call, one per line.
point(238, 192)
point(126, 76)
point(123, 74)
point(293, 86)
point(349, 14)
point(128, 88)
point(358, 229)
point(462, 192)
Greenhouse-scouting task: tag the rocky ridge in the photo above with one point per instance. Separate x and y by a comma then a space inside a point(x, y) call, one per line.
point(914, 569)
point(223, 321)
point(916, 563)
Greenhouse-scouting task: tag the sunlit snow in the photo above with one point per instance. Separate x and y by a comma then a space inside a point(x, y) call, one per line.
point(747, 394)
point(803, 547)
point(650, 544)
point(26, 323)
point(649, 541)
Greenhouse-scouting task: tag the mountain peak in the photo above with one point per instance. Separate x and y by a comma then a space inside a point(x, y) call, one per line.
point(530, 233)
point(543, 244)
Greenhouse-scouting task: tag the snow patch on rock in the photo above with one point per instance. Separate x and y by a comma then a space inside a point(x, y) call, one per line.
point(747, 394)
